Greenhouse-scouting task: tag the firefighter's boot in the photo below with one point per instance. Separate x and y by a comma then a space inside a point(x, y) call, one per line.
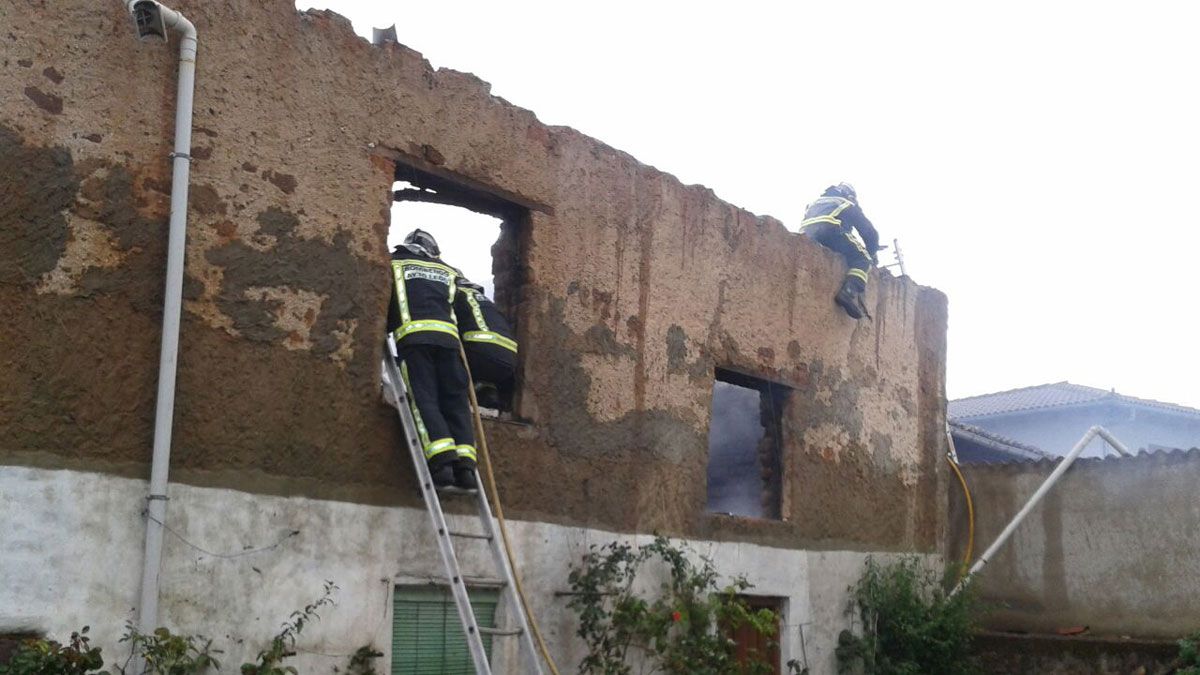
point(850, 297)
point(487, 395)
point(443, 476)
point(464, 476)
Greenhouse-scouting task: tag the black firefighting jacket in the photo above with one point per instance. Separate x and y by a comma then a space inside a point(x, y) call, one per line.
point(483, 328)
point(423, 290)
point(835, 210)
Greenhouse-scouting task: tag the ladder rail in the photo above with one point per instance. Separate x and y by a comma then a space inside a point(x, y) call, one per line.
point(433, 506)
point(516, 607)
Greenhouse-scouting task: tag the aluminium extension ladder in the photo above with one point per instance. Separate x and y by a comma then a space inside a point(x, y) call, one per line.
point(471, 629)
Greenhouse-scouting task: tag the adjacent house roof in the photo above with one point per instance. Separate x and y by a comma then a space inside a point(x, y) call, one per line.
point(997, 447)
point(1109, 462)
point(1055, 395)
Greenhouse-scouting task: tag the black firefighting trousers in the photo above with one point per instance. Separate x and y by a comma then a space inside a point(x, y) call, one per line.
point(844, 242)
point(438, 397)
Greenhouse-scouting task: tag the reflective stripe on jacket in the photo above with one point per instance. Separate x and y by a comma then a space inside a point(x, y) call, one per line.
point(826, 210)
point(480, 321)
point(834, 211)
point(423, 292)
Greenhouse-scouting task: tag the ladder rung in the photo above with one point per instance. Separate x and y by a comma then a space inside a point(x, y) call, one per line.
point(484, 582)
point(470, 535)
point(502, 632)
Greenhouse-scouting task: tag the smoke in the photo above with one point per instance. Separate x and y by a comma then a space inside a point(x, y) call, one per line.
point(735, 482)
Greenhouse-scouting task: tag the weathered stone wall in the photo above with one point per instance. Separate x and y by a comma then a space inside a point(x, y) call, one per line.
point(636, 287)
point(1112, 545)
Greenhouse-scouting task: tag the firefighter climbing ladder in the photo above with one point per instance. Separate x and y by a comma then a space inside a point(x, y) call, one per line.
point(472, 631)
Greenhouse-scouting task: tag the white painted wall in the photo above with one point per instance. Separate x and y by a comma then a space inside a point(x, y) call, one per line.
point(71, 556)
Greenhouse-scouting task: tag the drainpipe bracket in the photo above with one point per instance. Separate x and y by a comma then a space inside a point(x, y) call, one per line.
point(153, 497)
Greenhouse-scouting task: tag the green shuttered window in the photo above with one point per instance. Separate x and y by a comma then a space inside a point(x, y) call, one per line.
point(427, 638)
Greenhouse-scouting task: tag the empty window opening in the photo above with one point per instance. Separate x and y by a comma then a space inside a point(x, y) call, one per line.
point(745, 441)
point(465, 237)
point(427, 636)
point(479, 234)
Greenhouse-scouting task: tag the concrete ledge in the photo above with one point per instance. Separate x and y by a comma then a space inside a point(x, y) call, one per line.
point(1020, 653)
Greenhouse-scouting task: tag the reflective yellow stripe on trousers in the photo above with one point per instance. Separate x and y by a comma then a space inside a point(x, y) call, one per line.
point(422, 433)
point(858, 244)
point(438, 447)
point(466, 452)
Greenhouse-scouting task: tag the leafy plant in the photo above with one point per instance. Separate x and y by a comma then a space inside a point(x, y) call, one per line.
point(165, 653)
point(362, 661)
point(43, 656)
point(680, 630)
point(910, 625)
point(1188, 662)
point(283, 645)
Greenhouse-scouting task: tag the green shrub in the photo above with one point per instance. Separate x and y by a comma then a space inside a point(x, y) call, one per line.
point(270, 660)
point(362, 661)
point(43, 656)
point(681, 630)
point(1189, 655)
point(165, 653)
point(909, 624)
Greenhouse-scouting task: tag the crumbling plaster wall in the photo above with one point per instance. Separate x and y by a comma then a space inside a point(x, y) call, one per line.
point(637, 287)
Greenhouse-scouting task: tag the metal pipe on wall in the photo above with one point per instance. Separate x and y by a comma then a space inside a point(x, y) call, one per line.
point(151, 20)
point(1029, 505)
point(1112, 441)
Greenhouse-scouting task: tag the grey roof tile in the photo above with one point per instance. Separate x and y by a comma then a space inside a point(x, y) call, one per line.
point(1055, 395)
point(1016, 449)
point(1089, 463)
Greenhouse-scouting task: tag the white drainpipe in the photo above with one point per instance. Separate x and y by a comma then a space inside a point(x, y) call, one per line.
point(1114, 443)
point(152, 20)
point(1050, 481)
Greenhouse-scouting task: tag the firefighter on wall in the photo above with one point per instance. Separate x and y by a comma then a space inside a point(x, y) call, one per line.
point(488, 341)
point(421, 320)
point(832, 220)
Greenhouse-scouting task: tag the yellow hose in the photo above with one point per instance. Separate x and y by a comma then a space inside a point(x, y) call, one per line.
point(499, 510)
point(962, 570)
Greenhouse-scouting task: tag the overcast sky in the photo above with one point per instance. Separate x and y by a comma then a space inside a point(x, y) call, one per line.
point(1036, 160)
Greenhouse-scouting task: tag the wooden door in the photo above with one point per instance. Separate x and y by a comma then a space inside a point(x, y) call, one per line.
point(750, 641)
